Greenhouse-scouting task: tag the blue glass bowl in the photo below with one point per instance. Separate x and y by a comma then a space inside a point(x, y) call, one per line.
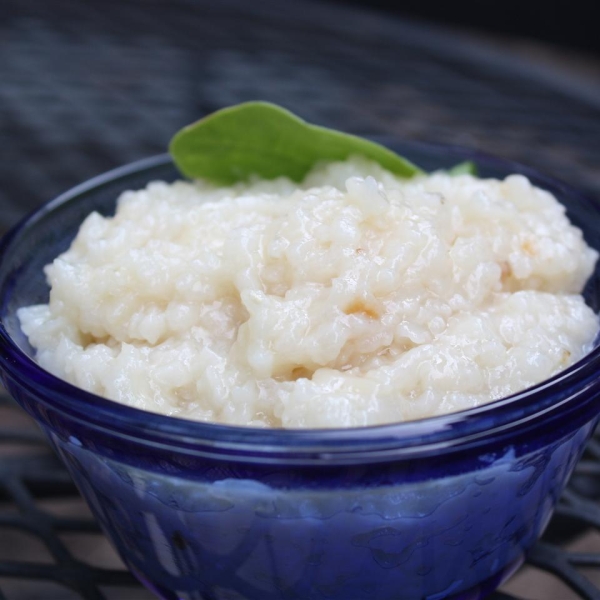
point(440, 508)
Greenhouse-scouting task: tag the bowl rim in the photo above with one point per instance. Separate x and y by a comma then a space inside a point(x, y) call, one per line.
point(430, 434)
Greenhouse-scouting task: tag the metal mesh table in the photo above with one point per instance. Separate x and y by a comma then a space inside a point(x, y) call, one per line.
point(84, 88)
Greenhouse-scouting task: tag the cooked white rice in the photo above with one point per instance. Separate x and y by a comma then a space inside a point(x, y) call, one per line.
point(354, 298)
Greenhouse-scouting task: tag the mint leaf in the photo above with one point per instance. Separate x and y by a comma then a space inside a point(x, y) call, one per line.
point(464, 168)
point(259, 138)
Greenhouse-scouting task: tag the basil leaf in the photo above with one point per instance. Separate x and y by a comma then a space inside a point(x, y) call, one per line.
point(259, 138)
point(464, 168)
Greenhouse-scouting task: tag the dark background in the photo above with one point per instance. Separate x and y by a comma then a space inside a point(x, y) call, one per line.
point(569, 24)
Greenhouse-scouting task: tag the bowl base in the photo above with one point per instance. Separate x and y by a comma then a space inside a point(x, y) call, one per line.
point(479, 592)
point(486, 587)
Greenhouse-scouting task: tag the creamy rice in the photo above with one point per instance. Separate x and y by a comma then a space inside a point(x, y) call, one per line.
point(354, 298)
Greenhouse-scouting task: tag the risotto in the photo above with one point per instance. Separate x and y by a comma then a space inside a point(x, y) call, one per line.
point(353, 298)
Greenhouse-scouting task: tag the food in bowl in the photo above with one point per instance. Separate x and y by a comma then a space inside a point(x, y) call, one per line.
point(434, 508)
point(354, 297)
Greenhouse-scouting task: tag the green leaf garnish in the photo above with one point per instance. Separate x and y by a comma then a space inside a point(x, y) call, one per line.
point(259, 138)
point(464, 168)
